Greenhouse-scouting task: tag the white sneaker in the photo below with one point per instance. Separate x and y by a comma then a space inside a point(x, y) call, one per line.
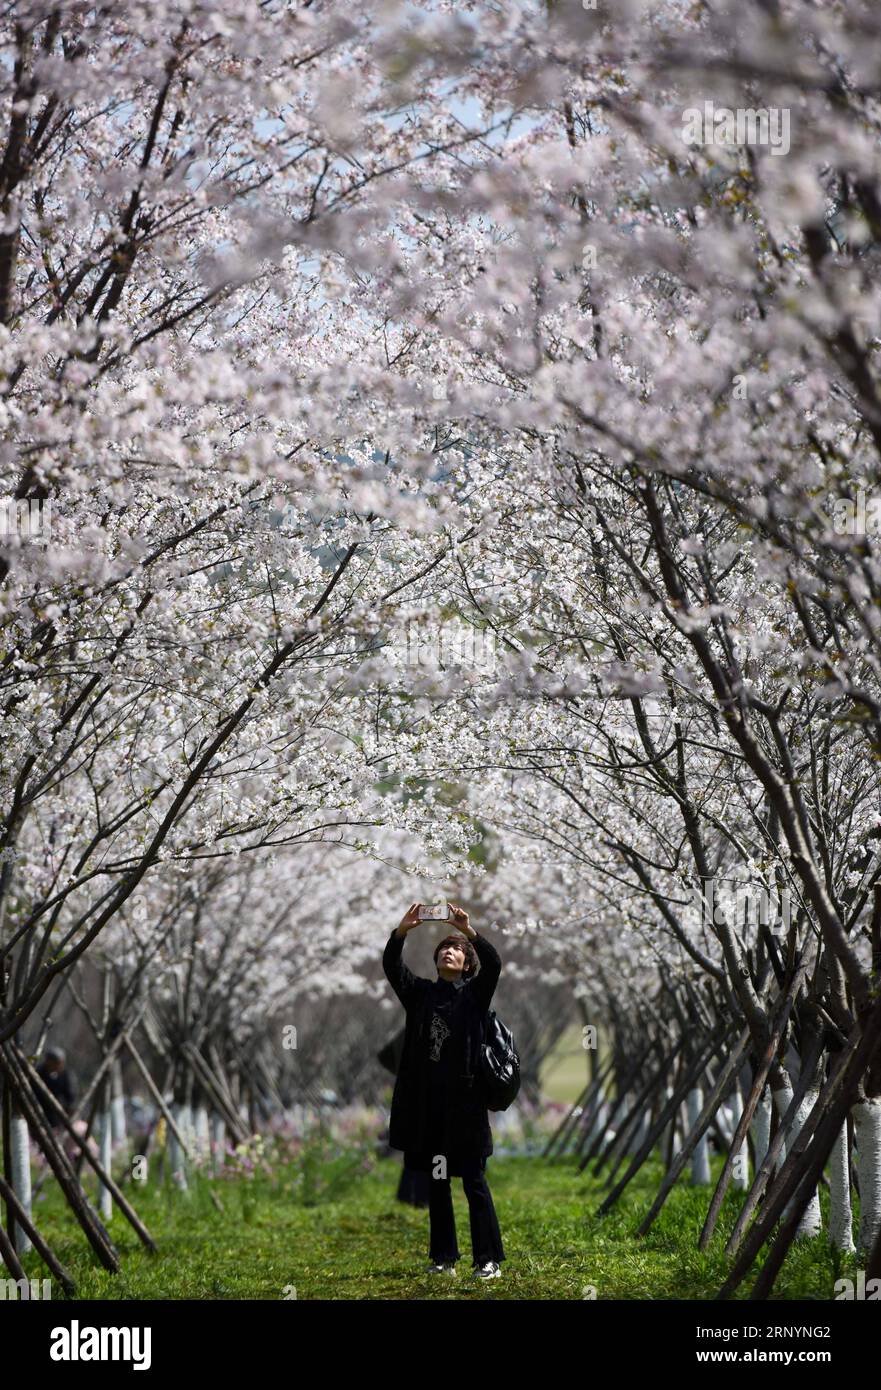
point(441, 1269)
point(488, 1271)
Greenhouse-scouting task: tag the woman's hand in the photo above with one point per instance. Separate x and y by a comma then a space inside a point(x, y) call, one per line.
point(409, 920)
point(460, 919)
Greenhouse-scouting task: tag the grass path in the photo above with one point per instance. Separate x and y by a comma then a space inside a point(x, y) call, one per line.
point(366, 1245)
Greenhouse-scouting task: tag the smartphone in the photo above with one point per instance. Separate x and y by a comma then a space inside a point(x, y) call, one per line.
point(434, 912)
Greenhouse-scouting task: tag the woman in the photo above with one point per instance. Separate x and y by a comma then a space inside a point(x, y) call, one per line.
point(439, 1117)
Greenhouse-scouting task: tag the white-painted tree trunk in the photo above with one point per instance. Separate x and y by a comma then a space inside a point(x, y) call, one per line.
point(599, 1117)
point(639, 1132)
point(117, 1105)
point(202, 1133)
point(723, 1120)
point(867, 1142)
point(740, 1169)
point(811, 1222)
point(176, 1160)
point(700, 1158)
point(219, 1138)
point(21, 1174)
point(681, 1124)
point(677, 1139)
point(186, 1125)
point(645, 1126)
point(760, 1127)
point(105, 1156)
point(840, 1213)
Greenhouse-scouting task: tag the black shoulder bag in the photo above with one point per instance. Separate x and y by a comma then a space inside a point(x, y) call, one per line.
point(499, 1064)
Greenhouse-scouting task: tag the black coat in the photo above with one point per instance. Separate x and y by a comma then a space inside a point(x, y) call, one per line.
point(390, 1055)
point(467, 1133)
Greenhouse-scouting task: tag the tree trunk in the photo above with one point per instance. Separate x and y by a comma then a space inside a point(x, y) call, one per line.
point(117, 1105)
point(219, 1141)
point(105, 1156)
point(176, 1159)
point(700, 1158)
point(740, 1168)
point(840, 1214)
point(811, 1222)
point(203, 1133)
point(761, 1128)
point(867, 1140)
point(21, 1177)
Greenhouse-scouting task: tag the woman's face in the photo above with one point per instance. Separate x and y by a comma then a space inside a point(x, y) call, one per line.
point(451, 960)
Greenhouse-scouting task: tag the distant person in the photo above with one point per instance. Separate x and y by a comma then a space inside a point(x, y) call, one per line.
point(439, 1115)
point(54, 1074)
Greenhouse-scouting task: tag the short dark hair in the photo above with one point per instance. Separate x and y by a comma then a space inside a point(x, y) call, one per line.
point(464, 945)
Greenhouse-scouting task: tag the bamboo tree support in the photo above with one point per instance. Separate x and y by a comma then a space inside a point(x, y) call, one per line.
point(104, 1176)
point(670, 1152)
point(215, 1093)
point(765, 1168)
point(219, 1071)
point(89, 1094)
point(569, 1121)
point(801, 1172)
point(597, 1142)
point(88, 1218)
point(229, 1090)
point(722, 1083)
point(588, 1119)
point(11, 1260)
point(157, 1096)
point(272, 1087)
point(815, 1159)
point(681, 1088)
point(621, 1138)
point(212, 1086)
point(659, 1077)
point(581, 1115)
point(39, 1244)
point(110, 1049)
point(94, 1109)
point(759, 1081)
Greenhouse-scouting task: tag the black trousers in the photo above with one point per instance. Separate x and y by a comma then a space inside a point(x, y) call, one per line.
point(486, 1239)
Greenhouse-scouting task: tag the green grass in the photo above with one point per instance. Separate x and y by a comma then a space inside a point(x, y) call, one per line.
point(363, 1244)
